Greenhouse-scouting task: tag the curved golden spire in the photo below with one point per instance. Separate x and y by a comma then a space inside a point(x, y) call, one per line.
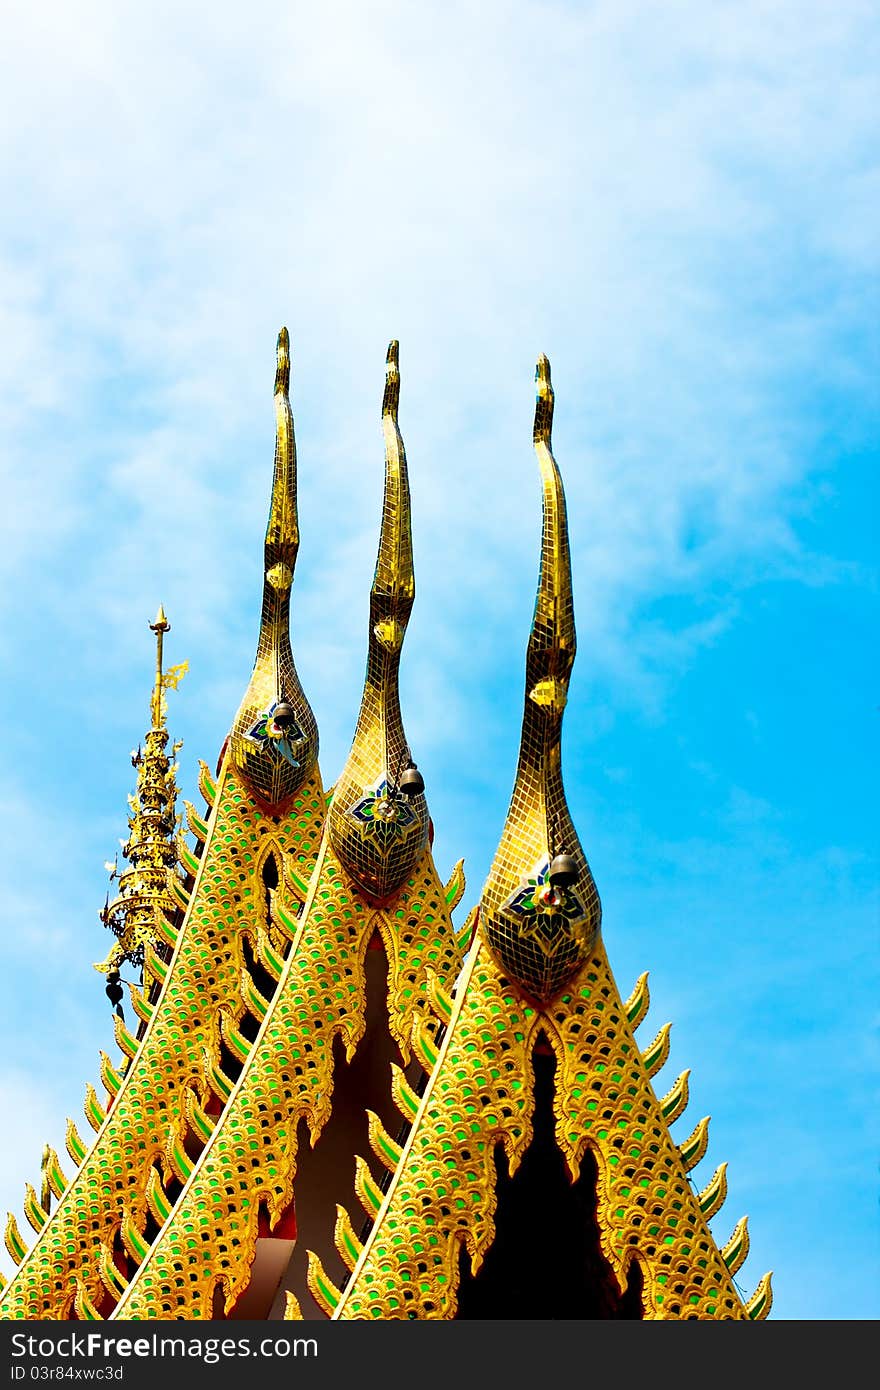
point(541, 930)
point(378, 829)
point(151, 849)
point(274, 739)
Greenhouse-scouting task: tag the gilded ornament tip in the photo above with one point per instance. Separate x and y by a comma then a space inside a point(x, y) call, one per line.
point(282, 373)
point(161, 623)
point(543, 401)
point(391, 398)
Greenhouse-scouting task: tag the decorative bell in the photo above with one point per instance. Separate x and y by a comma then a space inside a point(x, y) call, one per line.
point(412, 782)
point(114, 988)
point(283, 714)
point(563, 871)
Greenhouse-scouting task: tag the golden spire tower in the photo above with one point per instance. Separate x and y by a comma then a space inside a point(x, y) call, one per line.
point(201, 1001)
point(535, 1082)
point(144, 899)
point(375, 929)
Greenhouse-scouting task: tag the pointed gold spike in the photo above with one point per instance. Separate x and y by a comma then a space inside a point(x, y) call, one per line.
point(53, 1173)
point(157, 1198)
point(45, 1188)
point(761, 1301)
point(126, 1042)
point(155, 968)
point(34, 1213)
point(188, 859)
point(465, 936)
point(404, 1096)
point(270, 959)
point(207, 784)
point(216, 1078)
point(713, 1195)
point(257, 1005)
point(201, 1123)
point(86, 1310)
point(656, 1053)
point(180, 1161)
point(696, 1144)
point(141, 1005)
point(195, 823)
point(112, 1278)
point(638, 1003)
point(179, 892)
point(236, 1041)
point(292, 1310)
point(132, 1238)
point(13, 1241)
point(383, 1146)
point(674, 1103)
point(737, 1248)
point(347, 1243)
point(168, 931)
point(368, 1190)
point(424, 1044)
point(92, 1108)
point(110, 1076)
point(324, 1292)
point(438, 998)
point(74, 1144)
point(454, 890)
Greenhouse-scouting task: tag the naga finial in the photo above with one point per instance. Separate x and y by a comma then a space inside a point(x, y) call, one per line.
point(540, 910)
point(274, 739)
point(379, 817)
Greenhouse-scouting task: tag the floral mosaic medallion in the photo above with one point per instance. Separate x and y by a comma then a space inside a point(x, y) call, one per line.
point(384, 821)
point(546, 912)
point(283, 742)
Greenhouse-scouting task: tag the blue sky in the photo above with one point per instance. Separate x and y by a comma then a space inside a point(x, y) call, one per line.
point(678, 205)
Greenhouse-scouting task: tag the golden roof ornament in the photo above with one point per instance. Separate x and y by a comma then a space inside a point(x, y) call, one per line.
point(379, 817)
point(542, 923)
point(274, 738)
point(144, 899)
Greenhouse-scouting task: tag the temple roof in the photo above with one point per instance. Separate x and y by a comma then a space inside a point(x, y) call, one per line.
point(304, 934)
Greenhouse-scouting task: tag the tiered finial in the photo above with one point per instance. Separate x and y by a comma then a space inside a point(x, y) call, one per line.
point(151, 848)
